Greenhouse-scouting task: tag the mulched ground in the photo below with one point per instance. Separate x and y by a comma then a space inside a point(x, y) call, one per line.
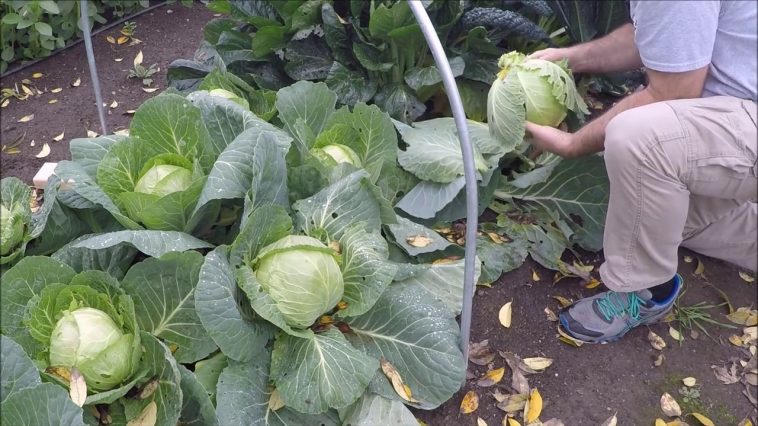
point(584, 386)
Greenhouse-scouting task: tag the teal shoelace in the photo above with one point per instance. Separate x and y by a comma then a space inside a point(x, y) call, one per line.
point(614, 305)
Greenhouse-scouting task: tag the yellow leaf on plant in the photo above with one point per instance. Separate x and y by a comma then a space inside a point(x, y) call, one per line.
point(535, 406)
point(38, 75)
point(505, 315)
point(491, 377)
point(535, 275)
point(138, 58)
point(418, 240)
point(689, 381)
point(562, 300)
point(147, 417)
point(149, 389)
point(593, 283)
point(480, 422)
point(60, 372)
point(149, 89)
point(110, 39)
point(26, 118)
point(275, 401)
point(59, 137)
point(470, 402)
point(397, 381)
point(744, 316)
point(702, 419)
point(52, 101)
point(669, 406)
point(497, 239)
point(77, 82)
point(675, 334)
point(77, 388)
point(56, 90)
point(44, 152)
point(122, 40)
point(746, 277)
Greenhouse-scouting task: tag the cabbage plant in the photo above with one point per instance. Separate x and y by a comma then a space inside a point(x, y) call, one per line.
point(536, 90)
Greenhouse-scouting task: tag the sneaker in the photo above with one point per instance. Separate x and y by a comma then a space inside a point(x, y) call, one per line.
point(608, 316)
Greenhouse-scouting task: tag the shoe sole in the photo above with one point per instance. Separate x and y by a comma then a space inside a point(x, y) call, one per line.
point(655, 319)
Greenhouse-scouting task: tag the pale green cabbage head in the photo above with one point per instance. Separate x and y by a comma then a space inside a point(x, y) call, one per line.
point(90, 340)
point(302, 276)
point(223, 93)
point(164, 179)
point(11, 230)
point(342, 154)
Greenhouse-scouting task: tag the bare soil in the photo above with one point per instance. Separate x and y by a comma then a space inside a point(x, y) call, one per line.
point(167, 33)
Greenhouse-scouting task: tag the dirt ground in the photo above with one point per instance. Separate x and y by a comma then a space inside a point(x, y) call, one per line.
point(584, 386)
point(165, 36)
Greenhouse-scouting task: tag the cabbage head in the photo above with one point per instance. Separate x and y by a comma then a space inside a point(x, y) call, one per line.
point(88, 339)
point(164, 179)
point(544, 89)
point(11, 230)
point(302, 276)
point(340, 154)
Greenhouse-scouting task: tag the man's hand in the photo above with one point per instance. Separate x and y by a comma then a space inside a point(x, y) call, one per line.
point(546, 138)
point(552, 54)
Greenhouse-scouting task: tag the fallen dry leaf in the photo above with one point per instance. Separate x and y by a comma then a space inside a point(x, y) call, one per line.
point(480, 353)
point(659, 360)
point(611, 421)
point(26, 118)
point(147, 417)
point(744, 316)
point(275, 401)
point(52, 101)
point(746, 277)
point(77, 388)
point(118, 59)
point(56, 90)
point(660, 422)
point(689, 381)
point(534, 408)
point(563, 301)
point(5, 103)
point(138, 58)
point(735, 340)
point(122, 39)
point(551, 316)
point(470, 402)
point(535, 275)
point(726, 375)
point(26, 90)
point(505, 314)
point(513, 422)
point(31, 143)
point(91, 134)
point(499, 396)
point(418, 240)
point(113, 104)
point(593, 283)
point(745, 422)
point(77, 82)
point(397, 382)
point(492, 377)
point(513, 403)
point(44, 152)
point(669, 406)
point(59, 137)
point(687, 259)
point(656, 341)
point(149, 89)
point(702, 419)
point(110, 39)
point(675, 334)
point(565, 338)
point(700, 271)
point(480, 422)
point(537, 363)
point(39, 75)
point(130, 111)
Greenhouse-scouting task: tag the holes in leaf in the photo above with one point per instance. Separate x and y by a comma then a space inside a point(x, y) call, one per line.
point(334, 215)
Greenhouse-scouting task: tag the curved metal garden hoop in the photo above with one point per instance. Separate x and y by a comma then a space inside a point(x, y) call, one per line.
point(84, 18)
point(472, 203)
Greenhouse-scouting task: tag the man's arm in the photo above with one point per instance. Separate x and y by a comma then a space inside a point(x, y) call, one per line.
point(590, 138)
point(612, 53)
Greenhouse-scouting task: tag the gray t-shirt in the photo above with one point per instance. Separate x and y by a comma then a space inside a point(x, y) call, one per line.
point(679, 36)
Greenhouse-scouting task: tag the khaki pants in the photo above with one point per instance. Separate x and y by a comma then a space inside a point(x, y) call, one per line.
point(682, 173)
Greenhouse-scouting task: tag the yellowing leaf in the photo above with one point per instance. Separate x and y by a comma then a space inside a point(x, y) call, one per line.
point(149, 389)
point(147, 417)
point(537, 363)
point(275, 401)
point(44, 152)
point(535, 406)
point(511, 403)
point(419, 240)
point(497, 239)
point(26, 90)
point(744, 316)
point(513, 422)
point(56, 90)
point(551, 316)
point(687, 259)
point(38, 75)
point(118, 59)
point(60, 372)
point(675, 334)
point(26, 118)
point(5, 103)
point(505, 315)
point(593, 283)
point(746, 277)
point(745, 422)
point(702, 419)
point(491, 377)
point(660, 422)
point(52, 101)
point(77, 389)
point(77, 82)
point(110, 39)
point(397, 381)
point(611, 421)
point(656, 341)
point(122, 40)
point(535, 275)
point(91, 134)
point(149, 89)
point(138, 58)
point(114, 104)
point(470, 402)
point(59, 137)
point(735, 340)
point(565, 338)
point(700, 271)
point(562, 300)
point(480, 422)
point(669, 406)
point(689, 381)
point(129, 111)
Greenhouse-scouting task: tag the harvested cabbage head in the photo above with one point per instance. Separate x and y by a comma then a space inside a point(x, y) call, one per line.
point(164, 179)
point(544, 90)
point(88, 339)
point(302, 276)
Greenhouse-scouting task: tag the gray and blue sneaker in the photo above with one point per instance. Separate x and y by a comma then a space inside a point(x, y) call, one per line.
point(608, 316)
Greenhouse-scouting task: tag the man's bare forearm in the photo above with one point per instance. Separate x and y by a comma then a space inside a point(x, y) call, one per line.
point(611, 53)
point(591, 138)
